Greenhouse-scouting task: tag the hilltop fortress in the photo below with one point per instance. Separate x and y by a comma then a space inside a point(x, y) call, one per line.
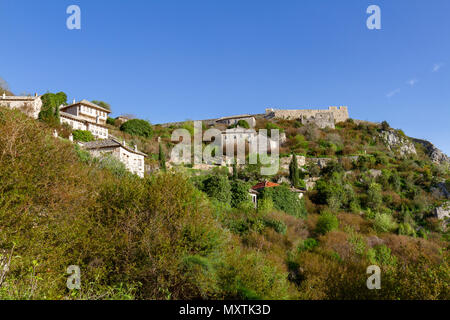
point(321, 117)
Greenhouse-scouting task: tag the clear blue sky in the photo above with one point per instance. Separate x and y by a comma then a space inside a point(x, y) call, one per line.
point(176, 60)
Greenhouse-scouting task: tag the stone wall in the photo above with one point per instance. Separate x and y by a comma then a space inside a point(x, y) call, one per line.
point(340, 114)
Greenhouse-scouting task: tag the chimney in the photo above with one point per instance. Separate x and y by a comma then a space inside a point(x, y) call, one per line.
point(35, 94)
point(4, 95)
point(71, 137)
point(135, 148)
point(124, 142)
point(73, 101)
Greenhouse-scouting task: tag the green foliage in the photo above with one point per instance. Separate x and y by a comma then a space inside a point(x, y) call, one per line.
point(374, 196)
point(265, 204)
point(82, 135)
point(111, 121)
point(406, 229)
point(114, 165)
point(381, 255)
point(272, 126)
point(50, 107)
point(218, 187)
point(137, 127)
point(241, 123)
point(327, 222)
point(384, 222)
point(162, 158)
point(385, 126)
point(307, 245)
point(285, 200)
point(294, 174)
point(277, 225)
point(102, 104)
point(239, 193)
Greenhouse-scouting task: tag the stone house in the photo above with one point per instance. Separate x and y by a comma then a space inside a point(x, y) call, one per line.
point(85, 115)
point(131, 157)
point(30, 105)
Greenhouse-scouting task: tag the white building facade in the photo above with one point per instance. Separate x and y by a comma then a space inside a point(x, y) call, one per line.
point(85, 115)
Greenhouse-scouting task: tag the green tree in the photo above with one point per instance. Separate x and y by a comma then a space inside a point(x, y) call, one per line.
point(239, 193)
point(285, 200)
point(235, 170)
point(218, 187)
point(137, 127)
point(50, 107)
point(162, 158)
point(294, 172)
point(374, 196)
point(102, 104)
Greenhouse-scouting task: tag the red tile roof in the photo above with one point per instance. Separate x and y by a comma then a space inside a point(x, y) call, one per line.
point(265, 184)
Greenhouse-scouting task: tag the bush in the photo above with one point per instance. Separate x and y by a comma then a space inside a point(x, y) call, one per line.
point(218, 187)
point(327, 222)
point(239, 193)
point(285, 200)
point(277, 225)
point(384, 222)
point(406, 229)
point(137, 127)
point(381, 254)
point(307, 245)
point(111, 121)
point(83, 135)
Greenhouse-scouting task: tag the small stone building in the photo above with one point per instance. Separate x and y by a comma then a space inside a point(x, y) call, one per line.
point(131, 157)
point(30, 105)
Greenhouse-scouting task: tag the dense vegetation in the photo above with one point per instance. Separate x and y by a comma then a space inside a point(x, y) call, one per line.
point(186, 234)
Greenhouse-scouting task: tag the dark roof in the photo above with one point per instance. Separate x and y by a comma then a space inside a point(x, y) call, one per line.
point(108, 143)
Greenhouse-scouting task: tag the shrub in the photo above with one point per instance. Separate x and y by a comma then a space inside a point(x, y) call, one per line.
point(327, 222)
point(285, 200)
point(265, 204)
point(406, 229)
point(83, 135)
point(218, 187)
point(307, 245)
point(381, 254)
point(277, 225)
point(374, 196)
point(137, 127)
point(111, 121)
point(239, 193)
point(384, 222)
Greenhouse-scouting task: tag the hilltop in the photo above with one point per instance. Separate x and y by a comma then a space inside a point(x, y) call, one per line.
point(190, 234)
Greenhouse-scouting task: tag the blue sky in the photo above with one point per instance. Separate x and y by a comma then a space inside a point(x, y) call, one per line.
point(176, 60)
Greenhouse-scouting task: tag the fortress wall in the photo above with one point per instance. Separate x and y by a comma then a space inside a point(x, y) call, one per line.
point(340, 114)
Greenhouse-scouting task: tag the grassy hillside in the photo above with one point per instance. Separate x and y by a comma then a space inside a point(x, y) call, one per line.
point(177, 236)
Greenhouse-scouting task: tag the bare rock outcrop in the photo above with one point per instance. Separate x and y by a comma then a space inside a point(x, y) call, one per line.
point(397, 143)
point(436, 155)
